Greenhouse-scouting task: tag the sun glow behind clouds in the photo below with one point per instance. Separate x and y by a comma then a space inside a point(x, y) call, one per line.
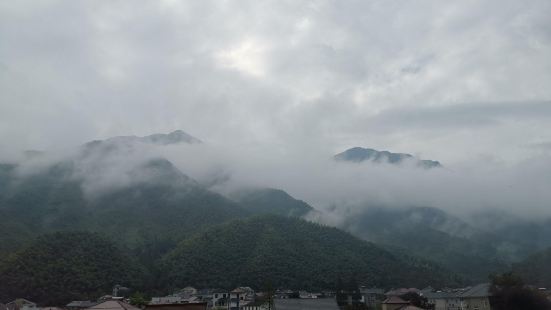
point(248, 57)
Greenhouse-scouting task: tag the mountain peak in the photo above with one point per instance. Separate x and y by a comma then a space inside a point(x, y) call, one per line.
point(177, 136)
point(360, 154)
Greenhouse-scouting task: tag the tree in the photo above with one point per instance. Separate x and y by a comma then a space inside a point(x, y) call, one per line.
point(138, 299)
point(510, 293)
point(416, 300)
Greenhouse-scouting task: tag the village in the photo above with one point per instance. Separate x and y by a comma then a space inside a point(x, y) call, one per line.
point(477, 297)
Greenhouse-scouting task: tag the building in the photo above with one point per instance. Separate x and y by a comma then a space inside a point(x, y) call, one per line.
point(394, 303)
point(186, 292)
point(410, 307)
point(184, 306)
point(167, 300)
point(113, 304)
point(472, 298)
point(402, 291)
point(476, 297)
point(21, 304)
point(79, 304)
point(240, 297)
point(220, 299)
point(306, 304)
point(448, 300)
point(372, 297)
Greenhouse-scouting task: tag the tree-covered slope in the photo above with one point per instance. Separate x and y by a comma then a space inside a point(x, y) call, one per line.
point(153, 199)
point(430, 234)
point(536, 269)
point(270, 201)
point(61, 267)
point(289, 252)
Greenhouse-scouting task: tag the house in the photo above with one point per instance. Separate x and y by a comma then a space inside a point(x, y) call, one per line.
point(167, 300)
point(113, 304)
point(186, 292)
point(372, 297)
point(402, 291)
point(473, 298)
point(410, 307)
point(184, 306)
point(443, 300)
point(240, 297)
point(306, 304)
point(394, 303)
point(21, 304)
point(476, 297)
point(79, 304)
point(259, 304)
point(220, 298)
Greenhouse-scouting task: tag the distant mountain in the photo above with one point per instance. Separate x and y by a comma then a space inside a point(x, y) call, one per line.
point(61, 267)
point(431, 234)
point(359, 154)
point(125, 142)
point(536, 269)
point(289, 252)
point(270, 201)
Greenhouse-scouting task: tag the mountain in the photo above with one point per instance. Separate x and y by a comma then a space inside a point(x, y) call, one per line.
point(536, 269)
point(270, 201)
point(126, 145)
point(175, 137)
point(61, 267)
point(150, 198)
point(431, 234)
point(289, 252)
point(359, 154)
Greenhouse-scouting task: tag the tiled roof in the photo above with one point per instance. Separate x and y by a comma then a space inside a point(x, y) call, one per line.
point(80, 304)
point(480, 290)
point(395, 300)
point(409, 307)
point(306, 304)
point(113, 305)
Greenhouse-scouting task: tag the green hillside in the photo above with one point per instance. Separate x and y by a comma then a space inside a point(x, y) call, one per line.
point(61, 267)
point(289, 252)
point(430, 234)
point(165, 204)
point(536, 269)
point(270, 201)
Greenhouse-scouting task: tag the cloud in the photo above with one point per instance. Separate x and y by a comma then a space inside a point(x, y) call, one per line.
point(273, 71)
point(277, 87)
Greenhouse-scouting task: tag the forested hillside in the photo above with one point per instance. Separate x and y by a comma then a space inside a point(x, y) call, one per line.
point(165, 204)
point(270, 201)
point(293, 253)
point(60, 267)
point(536, 269)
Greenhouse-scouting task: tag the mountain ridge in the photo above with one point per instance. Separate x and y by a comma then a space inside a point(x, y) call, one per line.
point(361, 154)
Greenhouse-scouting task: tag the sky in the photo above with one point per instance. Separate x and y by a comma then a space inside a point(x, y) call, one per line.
point(454, 81)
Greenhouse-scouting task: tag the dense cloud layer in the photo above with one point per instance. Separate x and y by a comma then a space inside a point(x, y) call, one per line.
point(448, 80)
point(275, 88)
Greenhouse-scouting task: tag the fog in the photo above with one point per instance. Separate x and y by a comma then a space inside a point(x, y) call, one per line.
point(338, 190)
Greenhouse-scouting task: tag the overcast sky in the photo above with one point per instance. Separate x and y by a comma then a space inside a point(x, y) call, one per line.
point(446, 80)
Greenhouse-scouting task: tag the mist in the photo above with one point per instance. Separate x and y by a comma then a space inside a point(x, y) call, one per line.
point(337, 190)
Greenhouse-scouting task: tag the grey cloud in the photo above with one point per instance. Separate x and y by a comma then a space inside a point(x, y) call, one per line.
point(319, 74)
point(468, 115)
